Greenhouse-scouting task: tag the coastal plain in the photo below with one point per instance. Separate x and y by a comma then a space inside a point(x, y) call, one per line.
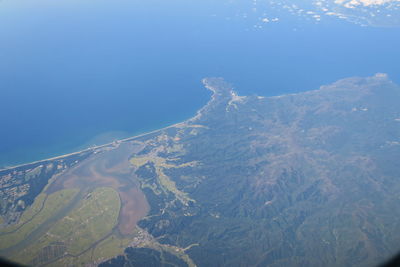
point(305, 179)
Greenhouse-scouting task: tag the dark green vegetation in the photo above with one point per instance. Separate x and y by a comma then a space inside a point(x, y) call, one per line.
point(145, 257)
point(310, 179)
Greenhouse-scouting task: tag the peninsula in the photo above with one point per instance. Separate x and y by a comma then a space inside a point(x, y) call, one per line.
point(306, 179)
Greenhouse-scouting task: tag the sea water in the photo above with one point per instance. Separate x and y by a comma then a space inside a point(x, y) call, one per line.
point(80, 73)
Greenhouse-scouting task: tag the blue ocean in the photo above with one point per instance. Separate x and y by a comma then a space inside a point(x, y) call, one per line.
point(79, 73)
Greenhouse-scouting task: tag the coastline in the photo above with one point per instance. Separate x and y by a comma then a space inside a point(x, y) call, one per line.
point(93, 148)
point(221, 90)
point(197, 115)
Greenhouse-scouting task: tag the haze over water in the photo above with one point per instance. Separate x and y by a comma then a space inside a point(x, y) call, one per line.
point(78, 73)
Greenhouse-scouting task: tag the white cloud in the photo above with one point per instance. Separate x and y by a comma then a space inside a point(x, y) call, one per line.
point(355, 3)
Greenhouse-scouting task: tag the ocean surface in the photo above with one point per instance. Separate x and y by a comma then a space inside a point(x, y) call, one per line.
point(80, 73)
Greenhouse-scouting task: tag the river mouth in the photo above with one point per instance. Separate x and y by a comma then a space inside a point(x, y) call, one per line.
point(109, 169)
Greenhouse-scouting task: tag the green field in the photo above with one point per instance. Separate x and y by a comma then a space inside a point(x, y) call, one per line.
point(54, 235)
point(41, 211)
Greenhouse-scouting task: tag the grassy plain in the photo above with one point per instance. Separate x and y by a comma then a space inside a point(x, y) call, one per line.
point(91, 220)
point(110, 247)
point(41, 211)
point(33, 210)
point(105, 249)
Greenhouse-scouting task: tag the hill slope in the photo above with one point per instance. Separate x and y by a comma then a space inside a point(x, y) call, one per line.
point(309, 179)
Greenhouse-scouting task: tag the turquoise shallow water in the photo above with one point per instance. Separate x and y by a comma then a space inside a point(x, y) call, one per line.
point(78, 73)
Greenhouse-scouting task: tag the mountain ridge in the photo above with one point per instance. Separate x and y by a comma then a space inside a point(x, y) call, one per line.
point(293, 180)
